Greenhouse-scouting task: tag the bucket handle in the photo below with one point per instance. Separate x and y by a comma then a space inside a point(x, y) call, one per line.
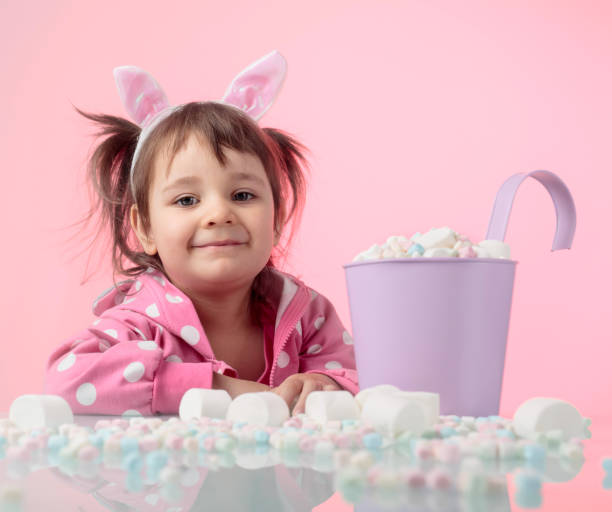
point(562, 199)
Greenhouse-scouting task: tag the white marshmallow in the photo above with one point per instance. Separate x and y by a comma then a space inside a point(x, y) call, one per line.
point(324, 406)
point(439, 252)
point(364, 394)
point(496, 248)
point(438, 237)
point(263, 408)
point(392, 415)
point(35, 411)
point(539, 415)
point(481, 252)
point(429, 401)
point(199, 402)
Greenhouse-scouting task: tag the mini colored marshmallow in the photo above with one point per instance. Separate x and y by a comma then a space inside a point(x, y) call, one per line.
point(323, 406)
point(35, 411)
point(199, 402)
point(392, 415)
point(540, 415)
point(263, 408)
point(429, 401)
point(364, 394)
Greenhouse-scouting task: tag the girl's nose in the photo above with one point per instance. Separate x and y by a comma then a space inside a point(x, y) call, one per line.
point(218, 211)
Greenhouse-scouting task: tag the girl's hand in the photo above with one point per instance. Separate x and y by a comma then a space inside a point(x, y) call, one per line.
point(295, 389)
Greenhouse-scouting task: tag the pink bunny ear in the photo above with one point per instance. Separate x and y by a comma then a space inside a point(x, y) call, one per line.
point(255, 88)
point(140, 93)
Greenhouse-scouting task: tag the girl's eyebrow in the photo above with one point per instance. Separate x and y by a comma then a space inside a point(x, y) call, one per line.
point(188, 180)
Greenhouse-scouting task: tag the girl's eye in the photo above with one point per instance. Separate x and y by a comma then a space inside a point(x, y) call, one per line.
point(241, 194)
point(182, 198)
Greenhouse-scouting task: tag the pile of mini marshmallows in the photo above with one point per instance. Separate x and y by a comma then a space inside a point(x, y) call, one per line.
point(338, 431)
point(436, 243)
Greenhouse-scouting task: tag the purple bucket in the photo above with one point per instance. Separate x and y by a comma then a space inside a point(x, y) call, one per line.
point(441, 324)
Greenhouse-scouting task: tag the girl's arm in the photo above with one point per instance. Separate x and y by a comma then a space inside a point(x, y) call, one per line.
point(118, 367)
point(235, 386)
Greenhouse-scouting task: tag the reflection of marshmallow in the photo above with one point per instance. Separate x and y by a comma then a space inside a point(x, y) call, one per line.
point(32, 411)
point(391, 415)
point(254, 458)
point(364, 394)
point(495, 248)
point(438, 237)
point(199, 402)
point(429, 401)
point(263, 408)
point(540, 414)
point(324, 406)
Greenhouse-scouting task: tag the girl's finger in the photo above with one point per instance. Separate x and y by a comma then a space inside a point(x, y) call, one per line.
point(309, 385)
point(289, 390)
point(330, 387)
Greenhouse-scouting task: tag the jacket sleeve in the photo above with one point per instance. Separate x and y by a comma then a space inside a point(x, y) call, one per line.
point(327, 347)
point(117, 366)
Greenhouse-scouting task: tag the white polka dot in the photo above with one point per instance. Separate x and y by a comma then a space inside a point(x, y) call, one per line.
point(190, 477)
point(346, 337)
point(119, 298)
point(96, 322)
point(131, 412)
point(127, 301)
point(220, 370)
point(319, 322)
point(174, 359)
point(150, 270)
point(138, 285)
point(86, 394)
point(314, 349)
point(66, 363)
point(112, 333)
point(298, 327)
point(103, 345)
point(160, 280)
point(152, 499)
point(152, 310)
point(283, 359)
point(134, 371)
point(139, 332)
point(332, 364)
point(173, 299)
point(190, 334)
point(148, 345)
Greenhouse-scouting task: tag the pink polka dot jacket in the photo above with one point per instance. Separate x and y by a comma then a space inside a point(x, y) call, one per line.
point(147, 347)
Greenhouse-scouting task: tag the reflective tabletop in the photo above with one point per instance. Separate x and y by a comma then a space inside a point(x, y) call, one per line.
point(229, 474)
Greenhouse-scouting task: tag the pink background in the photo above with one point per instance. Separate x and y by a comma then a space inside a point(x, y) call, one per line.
point(415, 113)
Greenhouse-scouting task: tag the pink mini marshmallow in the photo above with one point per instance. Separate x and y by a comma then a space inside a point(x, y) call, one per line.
point(148, 443)
point(102, 424)
point(438, 478)
point(343, 441)
point(17, 453)
point(173, 442)
point(466, 252)
point(414, 478)
point(373, 475)
point(88, 452)
point(209, 443)
point(307, 443)
point(121, 423)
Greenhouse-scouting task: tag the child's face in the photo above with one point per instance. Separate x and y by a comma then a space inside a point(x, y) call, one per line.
point(217, 205)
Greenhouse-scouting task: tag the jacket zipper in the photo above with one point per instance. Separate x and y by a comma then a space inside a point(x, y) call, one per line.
point(299, 306)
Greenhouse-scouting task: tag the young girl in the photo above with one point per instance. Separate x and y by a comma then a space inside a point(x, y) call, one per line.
point(204, 190)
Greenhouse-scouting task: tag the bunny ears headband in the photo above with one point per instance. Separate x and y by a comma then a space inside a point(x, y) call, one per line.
point(253, 91)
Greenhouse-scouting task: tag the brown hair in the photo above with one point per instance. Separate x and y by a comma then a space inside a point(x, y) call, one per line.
point(222, 126)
